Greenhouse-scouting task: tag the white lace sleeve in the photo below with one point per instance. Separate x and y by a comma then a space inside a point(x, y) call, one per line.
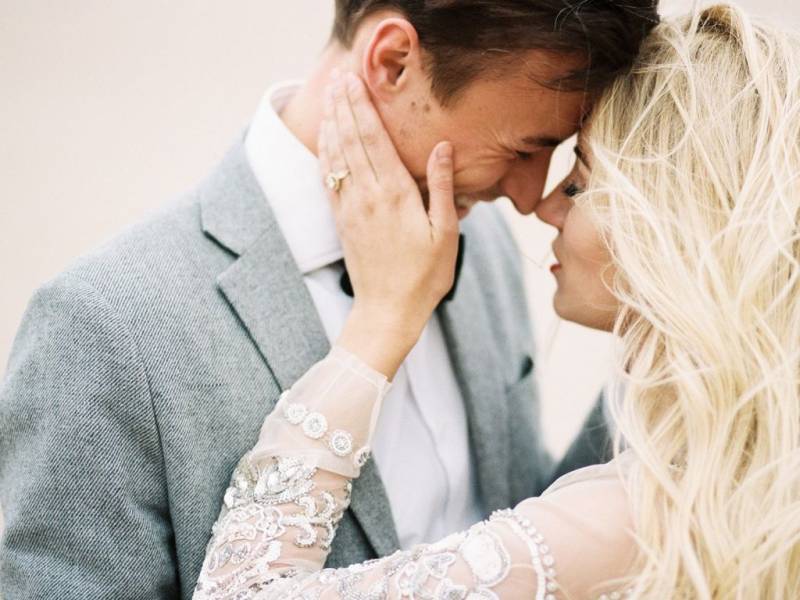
point(288, 494)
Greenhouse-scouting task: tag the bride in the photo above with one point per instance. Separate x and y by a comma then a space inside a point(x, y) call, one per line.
point(678, 231)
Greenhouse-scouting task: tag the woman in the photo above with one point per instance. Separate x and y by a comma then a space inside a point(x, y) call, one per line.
point(677, 231)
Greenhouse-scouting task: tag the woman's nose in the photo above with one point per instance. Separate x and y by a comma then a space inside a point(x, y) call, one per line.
point(553, 209)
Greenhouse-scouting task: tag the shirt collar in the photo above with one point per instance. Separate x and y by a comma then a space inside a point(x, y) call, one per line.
point(289, 176)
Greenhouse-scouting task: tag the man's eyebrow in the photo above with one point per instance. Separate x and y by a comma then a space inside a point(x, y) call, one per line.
point(542, 141)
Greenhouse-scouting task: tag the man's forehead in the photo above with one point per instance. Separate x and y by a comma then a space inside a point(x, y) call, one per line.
point(547, 128)
point(561, 131)
point(522, 111)
point(558, 121)
point(526, 99)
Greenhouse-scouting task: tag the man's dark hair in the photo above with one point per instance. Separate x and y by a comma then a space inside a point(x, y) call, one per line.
point(463, 39)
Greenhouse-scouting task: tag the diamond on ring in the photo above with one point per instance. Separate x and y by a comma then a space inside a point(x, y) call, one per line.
point(333, 181)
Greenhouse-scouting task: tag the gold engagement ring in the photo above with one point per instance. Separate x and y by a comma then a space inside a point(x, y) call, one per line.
point(334, 180)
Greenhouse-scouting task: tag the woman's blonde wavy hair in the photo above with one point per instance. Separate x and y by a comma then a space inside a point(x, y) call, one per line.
point(696, 187)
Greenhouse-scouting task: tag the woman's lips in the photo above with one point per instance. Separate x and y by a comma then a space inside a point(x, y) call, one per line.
point(554, 268)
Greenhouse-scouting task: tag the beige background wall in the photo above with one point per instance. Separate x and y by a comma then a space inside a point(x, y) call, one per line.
point(109, 108)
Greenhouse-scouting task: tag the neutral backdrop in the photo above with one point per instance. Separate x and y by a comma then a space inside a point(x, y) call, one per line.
point(109, 108)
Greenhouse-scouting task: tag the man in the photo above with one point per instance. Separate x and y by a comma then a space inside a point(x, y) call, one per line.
point(142, 374)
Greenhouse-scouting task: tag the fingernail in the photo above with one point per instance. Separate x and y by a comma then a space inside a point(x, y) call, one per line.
point(335, 73)
point(445, 151)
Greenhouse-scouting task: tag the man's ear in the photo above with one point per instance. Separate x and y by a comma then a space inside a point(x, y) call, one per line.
point(392, 58)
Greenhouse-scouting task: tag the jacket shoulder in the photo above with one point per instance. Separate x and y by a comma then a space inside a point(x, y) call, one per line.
point(148, 245)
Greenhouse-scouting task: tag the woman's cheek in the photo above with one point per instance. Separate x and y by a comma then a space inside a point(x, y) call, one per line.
point(588, 270)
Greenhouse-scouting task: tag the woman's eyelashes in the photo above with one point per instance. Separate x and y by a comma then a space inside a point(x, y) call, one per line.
point(521, 155)
point(571, 189)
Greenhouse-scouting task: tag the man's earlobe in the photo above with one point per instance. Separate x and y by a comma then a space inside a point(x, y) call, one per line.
point(392, 51)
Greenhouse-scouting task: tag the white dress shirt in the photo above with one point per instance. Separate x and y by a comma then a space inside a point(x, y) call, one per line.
point(421, 443)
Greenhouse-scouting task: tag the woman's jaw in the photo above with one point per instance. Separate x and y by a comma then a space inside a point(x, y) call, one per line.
point(582, 267)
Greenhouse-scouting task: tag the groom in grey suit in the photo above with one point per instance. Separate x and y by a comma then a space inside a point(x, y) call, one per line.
point(141, 374)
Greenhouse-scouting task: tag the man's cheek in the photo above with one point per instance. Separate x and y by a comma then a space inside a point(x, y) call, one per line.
point(475, 182)
point(484, 178)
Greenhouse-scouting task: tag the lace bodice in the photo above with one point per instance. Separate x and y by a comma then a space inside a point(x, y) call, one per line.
point(289, 492)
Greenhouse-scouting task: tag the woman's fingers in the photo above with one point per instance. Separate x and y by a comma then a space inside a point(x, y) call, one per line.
point(335, 162)
point(375, 140)
point(441, 209)
point(325, 161)
point(358, 142)
point(333, 141)
point(349, 137)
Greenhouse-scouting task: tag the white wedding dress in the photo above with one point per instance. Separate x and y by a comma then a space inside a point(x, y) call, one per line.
point(287, 495)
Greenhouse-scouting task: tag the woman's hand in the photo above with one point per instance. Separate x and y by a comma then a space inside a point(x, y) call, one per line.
point(400, 256)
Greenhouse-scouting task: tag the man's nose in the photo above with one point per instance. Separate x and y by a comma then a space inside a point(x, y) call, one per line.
point(524, 182)
point(553, 209)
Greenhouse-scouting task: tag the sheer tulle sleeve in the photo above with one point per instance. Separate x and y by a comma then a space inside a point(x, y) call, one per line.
point(288, 494)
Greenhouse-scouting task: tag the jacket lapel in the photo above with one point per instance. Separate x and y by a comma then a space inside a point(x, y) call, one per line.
point(263, 286)
point(266, 290)
point(469, 335)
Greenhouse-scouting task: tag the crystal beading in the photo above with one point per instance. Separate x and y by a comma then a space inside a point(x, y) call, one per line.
point(281, 480)
point(315, 425)
point(541, 559)
point(486, 556)
point(362, 456)
point(295, 413)
point(616, 595)
point(341, 443)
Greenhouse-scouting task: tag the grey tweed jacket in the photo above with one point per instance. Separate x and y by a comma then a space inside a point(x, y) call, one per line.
point(141, 374)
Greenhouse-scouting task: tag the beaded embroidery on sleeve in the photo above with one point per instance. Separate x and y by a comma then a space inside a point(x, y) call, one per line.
point(288, 494)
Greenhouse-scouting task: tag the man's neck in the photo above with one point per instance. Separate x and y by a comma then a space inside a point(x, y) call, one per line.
point(303, 114)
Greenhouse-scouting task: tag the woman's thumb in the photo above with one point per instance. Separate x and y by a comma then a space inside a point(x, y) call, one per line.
point(441, 210)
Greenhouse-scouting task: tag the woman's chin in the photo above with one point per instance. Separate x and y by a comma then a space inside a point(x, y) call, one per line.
point(576, 311)
point(560, 306)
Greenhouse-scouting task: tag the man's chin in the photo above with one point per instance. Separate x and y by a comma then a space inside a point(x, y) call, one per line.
point(462, 212)
point(464, 204)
